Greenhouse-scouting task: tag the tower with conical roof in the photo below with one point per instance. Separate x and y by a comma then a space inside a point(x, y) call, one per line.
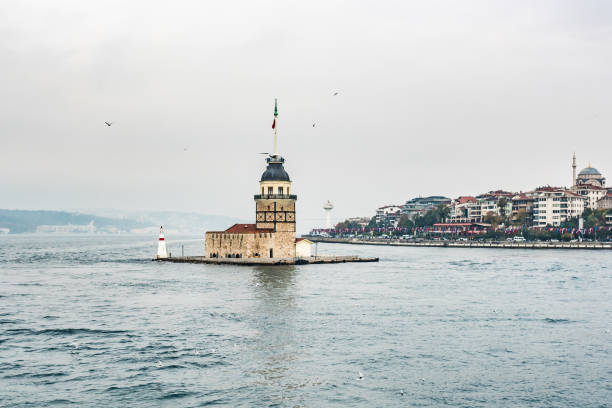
point(274, 203)
point(273, 234)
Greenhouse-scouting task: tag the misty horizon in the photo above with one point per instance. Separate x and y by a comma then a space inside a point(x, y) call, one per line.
point(435, 98)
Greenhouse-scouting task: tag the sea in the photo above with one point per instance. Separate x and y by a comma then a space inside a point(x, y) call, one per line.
point(91, 321)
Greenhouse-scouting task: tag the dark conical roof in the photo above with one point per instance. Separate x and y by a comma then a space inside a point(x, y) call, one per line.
point(275, 170)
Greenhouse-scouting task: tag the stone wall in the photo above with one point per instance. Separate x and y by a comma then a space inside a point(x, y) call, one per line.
point(250, 245)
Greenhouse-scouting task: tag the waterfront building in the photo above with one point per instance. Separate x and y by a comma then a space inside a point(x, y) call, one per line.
point(420, 205)
point(605, 203)
point(273, 234)
point(553, 205)
point(522, 203)
point(487, 203)
point(591, 194)
point(361, 221)
point(388, 215)
point(460, 209)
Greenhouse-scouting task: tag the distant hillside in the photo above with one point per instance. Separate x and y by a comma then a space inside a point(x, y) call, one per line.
point(110, 221)
point(20, 221)
point(185, 222)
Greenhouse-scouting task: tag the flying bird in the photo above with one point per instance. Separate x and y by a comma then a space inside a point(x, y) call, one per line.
point(313, 125)
point(336, 93)
point(108, 123)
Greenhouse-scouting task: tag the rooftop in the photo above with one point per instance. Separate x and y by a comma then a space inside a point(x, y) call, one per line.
point(589, 171)
point(243, 229)
point(275, 170)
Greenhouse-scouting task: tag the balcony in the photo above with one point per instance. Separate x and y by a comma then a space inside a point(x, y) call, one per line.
point(275, 197)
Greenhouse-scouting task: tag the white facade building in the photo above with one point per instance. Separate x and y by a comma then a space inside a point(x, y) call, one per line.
point(553, 206)
point(303, 248)
point(590, 193)
point(389, 213)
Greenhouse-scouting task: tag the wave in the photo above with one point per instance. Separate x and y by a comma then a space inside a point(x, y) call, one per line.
point(63, 332)
point(550, 320)
point(175, 395)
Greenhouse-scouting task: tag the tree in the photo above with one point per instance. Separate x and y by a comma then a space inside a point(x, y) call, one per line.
point(372, 223)
point(405, 222)
point(493, 219)
point(501, 204)
point(443, 212)
point(521, 217)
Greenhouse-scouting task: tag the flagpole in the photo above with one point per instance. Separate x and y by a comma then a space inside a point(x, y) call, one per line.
point(275, 127)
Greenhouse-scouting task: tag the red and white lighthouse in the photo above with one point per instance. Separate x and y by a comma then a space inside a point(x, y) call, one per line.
point(162, 252)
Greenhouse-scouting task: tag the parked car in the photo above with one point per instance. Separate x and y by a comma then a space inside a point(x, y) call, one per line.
point(519, 239)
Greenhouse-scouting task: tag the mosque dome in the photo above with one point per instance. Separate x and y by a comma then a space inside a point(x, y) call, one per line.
point(275, 170)
point(589, 171)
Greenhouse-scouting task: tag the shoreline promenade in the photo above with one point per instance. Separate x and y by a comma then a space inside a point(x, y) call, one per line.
point(466, 244)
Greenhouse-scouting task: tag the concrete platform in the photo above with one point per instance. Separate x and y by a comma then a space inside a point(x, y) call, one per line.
point(266, 261)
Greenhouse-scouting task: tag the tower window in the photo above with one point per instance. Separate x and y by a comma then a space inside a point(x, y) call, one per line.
point(262, 191)
point(280, 191)
point(270, 190)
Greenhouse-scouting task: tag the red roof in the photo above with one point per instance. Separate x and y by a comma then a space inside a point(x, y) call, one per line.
point(245, 229)
point(466, 199)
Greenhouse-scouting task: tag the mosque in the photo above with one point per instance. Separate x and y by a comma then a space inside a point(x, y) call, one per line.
point(588, 175)
point(590, 184)
point(273, 234)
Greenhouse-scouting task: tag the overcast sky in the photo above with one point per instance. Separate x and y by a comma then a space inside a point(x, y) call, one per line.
point(436, 97)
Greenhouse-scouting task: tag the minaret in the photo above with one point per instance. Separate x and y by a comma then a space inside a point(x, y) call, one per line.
point(275, 205)
point(161, 245)
point(574, 171)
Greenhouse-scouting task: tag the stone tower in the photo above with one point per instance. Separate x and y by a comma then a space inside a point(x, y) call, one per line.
point(275, 205)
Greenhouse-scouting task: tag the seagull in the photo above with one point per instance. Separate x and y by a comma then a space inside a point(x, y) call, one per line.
point(75, 345)
point(402, 393)
point(213, 350)
point(108, 123)
point(336, 93)
point(159, 364)
point(360, 376)
point(196, 352)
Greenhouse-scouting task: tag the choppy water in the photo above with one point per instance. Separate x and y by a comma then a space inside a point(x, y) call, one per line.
point(90, 321)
